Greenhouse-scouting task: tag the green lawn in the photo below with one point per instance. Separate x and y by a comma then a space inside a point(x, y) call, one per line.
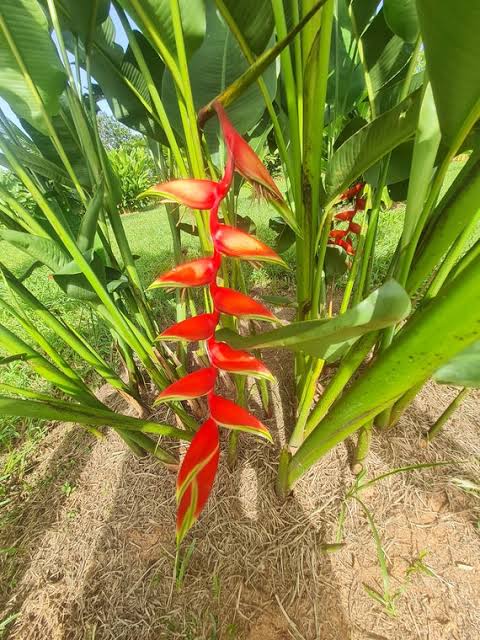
point(149, 236)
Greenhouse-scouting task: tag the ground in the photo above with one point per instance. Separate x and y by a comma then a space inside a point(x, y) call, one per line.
point(87, 530)
point(93, 555)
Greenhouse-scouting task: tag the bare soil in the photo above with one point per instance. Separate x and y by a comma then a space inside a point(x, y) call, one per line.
point(96, 562)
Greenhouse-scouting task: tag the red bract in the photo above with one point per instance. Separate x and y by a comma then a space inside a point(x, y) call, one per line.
point(246, 161)
point(231, 415)
point(196, 476)
point(336, 234)
point(197, 472)
point(346, 215)
point(238, 304)
point(347, 246)
point(349, 193)
point(196, 194)
point(238, 244)
point(196, 384)
point(199, 327)
point(354, 227)
point(224, 357)
point(360, 204)
point(189, 274)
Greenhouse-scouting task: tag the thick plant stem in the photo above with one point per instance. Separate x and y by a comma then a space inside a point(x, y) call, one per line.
point(306, 400)
point(345, 371)
point(402, 404)
point(240, 385)
point(452, 407)
point(281, 485)
point(362, 449)
point(412, 358)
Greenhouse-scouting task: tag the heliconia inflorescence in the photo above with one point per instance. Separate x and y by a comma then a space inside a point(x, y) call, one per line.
point(199, 466)
point(340, 237)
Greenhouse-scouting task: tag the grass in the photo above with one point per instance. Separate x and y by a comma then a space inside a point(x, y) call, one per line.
point(149, 235)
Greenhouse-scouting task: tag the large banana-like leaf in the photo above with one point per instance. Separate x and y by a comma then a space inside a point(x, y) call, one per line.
point(384, 307)
point(81, 17)
point(384, 54)
point(454, 215)
point(463, 370)
point(46, 250)
point(452, 50)
point(215, 66)
point(31, 76)
point(401, 16)
point(154, 17)
point(371, 143)
point(254, 19)
point(436, 334)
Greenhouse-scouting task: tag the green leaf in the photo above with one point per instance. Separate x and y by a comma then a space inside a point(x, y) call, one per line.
point(44, 249)
point(335, 263)
point(450, 33)
point(155, 20)
point(88, 227)
point(31, 76)
point(254, 19)
point(82, 16)
point(425, 344)
point(371, 143)
point(385, 54)
point(74, 283)
point(463, 370)
point(386, 306)
point(215, 66)
point(402, 18)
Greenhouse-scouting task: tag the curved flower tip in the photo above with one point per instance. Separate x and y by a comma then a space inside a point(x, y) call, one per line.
point(240, 305)
point(196, 476)
point(232, 416)
point(360, 204)
point(224, 357)
point(347, 246)
point(346, 215)
point(353, 227)
point(336, 234)
point(196, 384)
point(196, 194)
point(199, 327)
point(353, 191)
point(247, 163)
point(189, 274)
point(239, 244)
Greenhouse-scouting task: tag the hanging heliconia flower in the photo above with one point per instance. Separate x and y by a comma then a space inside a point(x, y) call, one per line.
point(340, 237)
point(199, 466)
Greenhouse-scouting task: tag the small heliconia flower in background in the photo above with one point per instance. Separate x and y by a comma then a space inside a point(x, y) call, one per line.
point(340, 237)
point(199, 466)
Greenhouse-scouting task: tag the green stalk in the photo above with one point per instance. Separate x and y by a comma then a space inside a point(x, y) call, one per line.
point(155, 96)
point(189, 116)
point(51, 352)
point(402, 404)
point(443, 419)
point(452, 257)
point(38, 99)
point(343, 374)
point(424, 344)
point(290, 94)
point(117, 225)
point(372, 223)
point(135, 339)
point(357, 261)
point(472, 254)
point(305, 404)
point(73, 339)
point(362, 448)
point(26, 220)
point(14, 345)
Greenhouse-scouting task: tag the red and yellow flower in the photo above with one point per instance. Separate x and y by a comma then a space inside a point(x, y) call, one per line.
point(199, 466)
